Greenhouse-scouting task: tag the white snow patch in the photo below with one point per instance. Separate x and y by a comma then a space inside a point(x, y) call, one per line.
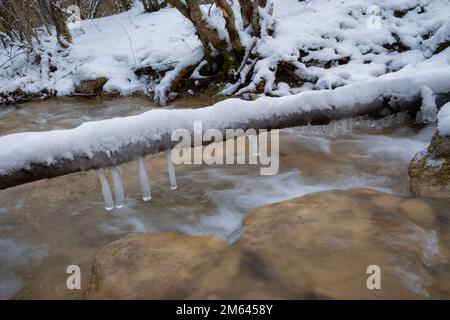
point(428, 109)
point(444, 120)
point(114, 47)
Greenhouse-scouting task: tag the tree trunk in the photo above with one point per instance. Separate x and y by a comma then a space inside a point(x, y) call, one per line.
point(62, 31)
point(230, 25)
point(226, 54)
point(228, 59)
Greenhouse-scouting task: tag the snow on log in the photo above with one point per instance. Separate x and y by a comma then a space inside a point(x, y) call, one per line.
point(27, 157)
point(439, 41)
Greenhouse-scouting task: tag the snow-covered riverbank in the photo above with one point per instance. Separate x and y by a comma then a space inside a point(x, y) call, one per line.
point(326, 45)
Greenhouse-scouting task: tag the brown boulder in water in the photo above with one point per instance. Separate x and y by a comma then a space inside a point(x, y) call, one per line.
point(141, 266)
point(91, 87)
point(326, 241)
point(316, 246)
point(430, 169)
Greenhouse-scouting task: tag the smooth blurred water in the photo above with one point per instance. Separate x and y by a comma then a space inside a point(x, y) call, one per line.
point(47, 225)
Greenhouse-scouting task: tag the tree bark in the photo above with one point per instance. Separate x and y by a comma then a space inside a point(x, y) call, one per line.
point(230, 25)
point(62, 31)
point(6, 17)
point(226, 55)
point(210, 37)
point(153, 5)
point(251, 16)
point(18, 20)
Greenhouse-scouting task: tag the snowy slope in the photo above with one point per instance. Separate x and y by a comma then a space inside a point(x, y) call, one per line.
point(111, 47)
point(337, 46)
point(332, 31)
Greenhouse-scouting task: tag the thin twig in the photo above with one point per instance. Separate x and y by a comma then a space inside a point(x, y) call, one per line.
point(131, 43)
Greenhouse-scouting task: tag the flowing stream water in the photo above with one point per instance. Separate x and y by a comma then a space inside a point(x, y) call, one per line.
point(50, 224)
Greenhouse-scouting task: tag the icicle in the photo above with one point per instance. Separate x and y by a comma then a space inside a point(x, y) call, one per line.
point(428, 108)
point(145, 182)
point(118, 188)
point(333, 128)
point(346, 125)
point(106, 190)
point(171, 169)
point(309, 129)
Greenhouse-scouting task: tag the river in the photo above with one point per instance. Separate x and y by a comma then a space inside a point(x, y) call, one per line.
point(50, 224)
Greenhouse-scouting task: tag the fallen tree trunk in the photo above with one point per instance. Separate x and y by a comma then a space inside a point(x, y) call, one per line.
point(101, 159)
point(112, 142)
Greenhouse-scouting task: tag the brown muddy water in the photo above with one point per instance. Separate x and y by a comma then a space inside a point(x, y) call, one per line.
point(47, 225)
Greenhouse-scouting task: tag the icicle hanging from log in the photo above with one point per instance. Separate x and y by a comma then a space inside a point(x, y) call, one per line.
point(118, 188)
point(106, 190)
point(171, 170)
point(145, 182)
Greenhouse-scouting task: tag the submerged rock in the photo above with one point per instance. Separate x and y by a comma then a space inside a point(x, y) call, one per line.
point(142, 266)
point(430, 169)
point(325, 242)
point(316, 246)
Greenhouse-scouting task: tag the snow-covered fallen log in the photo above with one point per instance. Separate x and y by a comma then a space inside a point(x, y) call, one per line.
point(26, 157)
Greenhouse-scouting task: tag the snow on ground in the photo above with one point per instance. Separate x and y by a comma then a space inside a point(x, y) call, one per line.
point(112, 47)
point(328, 33)
point(332, 31)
